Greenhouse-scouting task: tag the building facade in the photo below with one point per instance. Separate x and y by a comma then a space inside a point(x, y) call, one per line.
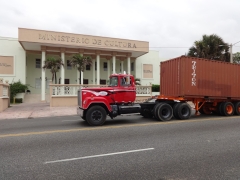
point(22, 59)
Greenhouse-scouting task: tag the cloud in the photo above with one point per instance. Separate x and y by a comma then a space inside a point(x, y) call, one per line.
point(170, 26)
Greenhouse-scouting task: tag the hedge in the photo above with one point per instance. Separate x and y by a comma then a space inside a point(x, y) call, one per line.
point(155, 88)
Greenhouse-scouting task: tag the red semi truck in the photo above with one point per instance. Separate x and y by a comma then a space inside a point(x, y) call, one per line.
point(212, 86)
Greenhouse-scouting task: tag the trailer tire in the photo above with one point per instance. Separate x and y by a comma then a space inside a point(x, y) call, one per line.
point(227, 108)
point(96, 116)
point(175, 110)
point(219, 108)
point(237, 108)
point(164, 112)
point(183, 111)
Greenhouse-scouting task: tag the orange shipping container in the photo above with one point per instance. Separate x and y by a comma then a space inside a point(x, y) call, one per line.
point(203, 78)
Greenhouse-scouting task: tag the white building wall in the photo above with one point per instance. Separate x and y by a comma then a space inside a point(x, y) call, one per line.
point(150, 58)
point(11, 47)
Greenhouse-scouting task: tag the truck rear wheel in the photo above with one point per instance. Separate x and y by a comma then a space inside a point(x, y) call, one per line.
point(155, 110)
point(227, 108)
point(237, 108)
point(183, 111)
point(164, 112)
point(96, 116)
point(175, 110)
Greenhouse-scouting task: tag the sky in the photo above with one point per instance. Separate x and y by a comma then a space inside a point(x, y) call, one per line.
point(170, 26)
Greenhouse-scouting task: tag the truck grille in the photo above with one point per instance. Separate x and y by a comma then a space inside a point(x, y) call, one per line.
point(80, 97)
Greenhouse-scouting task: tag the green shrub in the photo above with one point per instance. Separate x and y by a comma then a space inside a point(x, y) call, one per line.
point(155, 88)
point(17, 87)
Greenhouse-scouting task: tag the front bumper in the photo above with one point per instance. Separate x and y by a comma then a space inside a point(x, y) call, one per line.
point(79, 111)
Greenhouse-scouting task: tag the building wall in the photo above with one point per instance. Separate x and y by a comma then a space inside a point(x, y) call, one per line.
point(11, 47)
point(152, 58)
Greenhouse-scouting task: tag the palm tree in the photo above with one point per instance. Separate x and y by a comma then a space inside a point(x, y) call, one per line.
point(54, 65)
point(210, 47)
point(79, 61)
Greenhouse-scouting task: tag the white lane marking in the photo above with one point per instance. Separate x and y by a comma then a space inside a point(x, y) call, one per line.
point(100, 155)
point(69, 120)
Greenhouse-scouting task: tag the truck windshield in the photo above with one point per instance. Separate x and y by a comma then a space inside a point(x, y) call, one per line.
point(113, 81)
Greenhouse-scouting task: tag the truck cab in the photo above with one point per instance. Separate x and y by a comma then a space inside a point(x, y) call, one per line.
point(124, 88)
point(94, 104)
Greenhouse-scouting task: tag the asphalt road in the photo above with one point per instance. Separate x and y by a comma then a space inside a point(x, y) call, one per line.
point(129, 147)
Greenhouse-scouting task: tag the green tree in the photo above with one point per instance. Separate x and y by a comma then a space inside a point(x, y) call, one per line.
point(79, 61)
point(54, 64)
point(236, 58)
point(210, 47)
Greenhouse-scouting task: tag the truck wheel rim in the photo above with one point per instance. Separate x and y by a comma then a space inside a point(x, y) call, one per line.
point(165, 113)
point(96, 116)
point(229, 109)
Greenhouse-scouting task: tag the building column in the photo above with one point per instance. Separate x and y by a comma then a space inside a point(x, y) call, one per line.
point(122, 65)
point(43, 76)
point(114, 61)
point(109, 67)
point(128, 63)
point(98, 67)
point(81, 52)
point(93, 69)
point(62, 67)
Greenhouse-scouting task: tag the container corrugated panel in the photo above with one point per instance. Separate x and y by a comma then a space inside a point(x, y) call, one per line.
point(196, 77)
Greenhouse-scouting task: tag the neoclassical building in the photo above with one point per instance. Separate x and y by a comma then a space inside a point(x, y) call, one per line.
point(22, 59)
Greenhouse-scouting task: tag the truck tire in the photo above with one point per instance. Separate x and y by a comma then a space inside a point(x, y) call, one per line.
point(155, 110)
point(175, 110)
point(237, 108)
point(184, 111)
point(164, 112)
point(227, 108)
point(96, 116)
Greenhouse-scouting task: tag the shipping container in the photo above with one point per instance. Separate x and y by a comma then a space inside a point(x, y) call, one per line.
point(191, 77)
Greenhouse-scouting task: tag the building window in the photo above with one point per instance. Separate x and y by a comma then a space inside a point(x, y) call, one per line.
point(132, 66)
point(69, 65)
point(120, 67)
point(95, 66)
point(105, 66)
point(38, 63)
point(88, 67)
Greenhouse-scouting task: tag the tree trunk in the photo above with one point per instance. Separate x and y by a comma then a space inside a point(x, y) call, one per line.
point(52, 77)
point(55, 78)
point(80, 77)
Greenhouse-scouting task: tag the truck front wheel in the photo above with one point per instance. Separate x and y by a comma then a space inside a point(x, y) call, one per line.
point(96, 116)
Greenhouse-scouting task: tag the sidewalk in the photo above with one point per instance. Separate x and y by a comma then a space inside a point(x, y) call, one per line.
point(34, 110)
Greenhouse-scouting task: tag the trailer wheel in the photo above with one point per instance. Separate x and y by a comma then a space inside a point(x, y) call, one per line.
point(237, 108)
point(164, 112)
point(227, 109)
point(96, 116)
point(183, 111)
point(219, 108)
point(175, 110)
